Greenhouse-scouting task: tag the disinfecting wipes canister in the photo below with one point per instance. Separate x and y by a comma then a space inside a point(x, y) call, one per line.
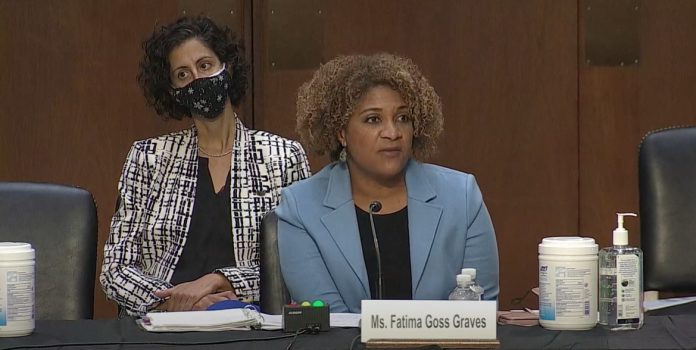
point(16, 289)
point(568, 283)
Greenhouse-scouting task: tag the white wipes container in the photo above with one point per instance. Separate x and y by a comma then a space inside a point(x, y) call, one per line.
point(16, 289)
point(568, 283)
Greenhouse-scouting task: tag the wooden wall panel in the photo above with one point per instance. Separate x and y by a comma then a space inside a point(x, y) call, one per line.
point(506, 72)
point(71, 107)
point(619, 105)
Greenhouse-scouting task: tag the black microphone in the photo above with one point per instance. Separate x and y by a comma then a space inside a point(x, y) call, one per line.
point(375, 207)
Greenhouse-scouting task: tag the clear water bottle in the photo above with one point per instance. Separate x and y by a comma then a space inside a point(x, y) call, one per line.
point(477, 287)
point(464, 290)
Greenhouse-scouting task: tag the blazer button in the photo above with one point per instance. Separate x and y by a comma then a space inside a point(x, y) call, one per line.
point(260, 192)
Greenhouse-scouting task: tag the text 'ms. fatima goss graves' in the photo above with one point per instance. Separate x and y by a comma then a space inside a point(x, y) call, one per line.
point(404, 321)
point(428, 319)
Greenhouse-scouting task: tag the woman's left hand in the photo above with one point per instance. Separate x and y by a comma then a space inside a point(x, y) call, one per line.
point(184, 296)
point(211, 299)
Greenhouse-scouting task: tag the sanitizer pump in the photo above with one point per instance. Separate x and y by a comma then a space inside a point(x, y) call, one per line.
point(621, 282)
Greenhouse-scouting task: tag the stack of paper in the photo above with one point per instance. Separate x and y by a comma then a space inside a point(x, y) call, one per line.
point(226, 320)
point(663, 303)
point(525, 317)
point(217, 320)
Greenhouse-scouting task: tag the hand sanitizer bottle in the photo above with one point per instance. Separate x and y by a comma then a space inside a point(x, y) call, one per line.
point(621, 282)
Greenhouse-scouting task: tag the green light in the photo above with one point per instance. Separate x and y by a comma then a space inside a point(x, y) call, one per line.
point(318, 303)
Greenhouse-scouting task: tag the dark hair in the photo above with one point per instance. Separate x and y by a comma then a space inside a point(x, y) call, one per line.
point(154, 77)
point(325, 103)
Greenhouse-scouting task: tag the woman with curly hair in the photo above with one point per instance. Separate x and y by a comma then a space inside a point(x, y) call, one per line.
point(185, 234)
point(378, 118)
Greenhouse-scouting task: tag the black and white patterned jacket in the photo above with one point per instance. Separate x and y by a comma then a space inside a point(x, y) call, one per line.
point(158, 187)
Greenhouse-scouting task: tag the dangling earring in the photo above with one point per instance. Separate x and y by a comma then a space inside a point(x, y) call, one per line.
point(343, 155)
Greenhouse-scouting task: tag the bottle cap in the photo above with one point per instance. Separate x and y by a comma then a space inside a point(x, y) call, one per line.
point(463, 279)
point(469, 271)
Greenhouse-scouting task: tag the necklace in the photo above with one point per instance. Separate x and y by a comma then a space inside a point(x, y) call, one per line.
point(214, 155)
point(220, 154)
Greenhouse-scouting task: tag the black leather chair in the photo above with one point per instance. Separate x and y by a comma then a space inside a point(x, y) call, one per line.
point(274, 293)
point(60, 222)
point(667, 183)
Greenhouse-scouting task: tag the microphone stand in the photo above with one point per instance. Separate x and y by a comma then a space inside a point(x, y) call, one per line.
point(375, 207)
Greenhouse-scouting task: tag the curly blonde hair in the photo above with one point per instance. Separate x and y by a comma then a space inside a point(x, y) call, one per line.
point(326, 102)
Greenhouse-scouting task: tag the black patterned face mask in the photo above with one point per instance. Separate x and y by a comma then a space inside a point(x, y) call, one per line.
point(205, 96)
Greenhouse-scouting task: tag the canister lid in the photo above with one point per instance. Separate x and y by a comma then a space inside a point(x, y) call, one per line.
point(568, 245)
point(16, 251)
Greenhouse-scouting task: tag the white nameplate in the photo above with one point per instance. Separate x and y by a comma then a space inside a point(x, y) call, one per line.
point(428, 319)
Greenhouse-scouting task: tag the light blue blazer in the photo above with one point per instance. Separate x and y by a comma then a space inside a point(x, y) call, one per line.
point(319, 242)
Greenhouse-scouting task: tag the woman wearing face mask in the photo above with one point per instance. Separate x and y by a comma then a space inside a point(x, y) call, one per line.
point(186, 232)
point(377, 117)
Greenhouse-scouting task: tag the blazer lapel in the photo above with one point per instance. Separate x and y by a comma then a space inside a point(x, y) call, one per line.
point(251, 194)
point(423, 220)
point(185, 177)
point(177, 180)
point(188, 156)
point(179, 171)
point(342, 222)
